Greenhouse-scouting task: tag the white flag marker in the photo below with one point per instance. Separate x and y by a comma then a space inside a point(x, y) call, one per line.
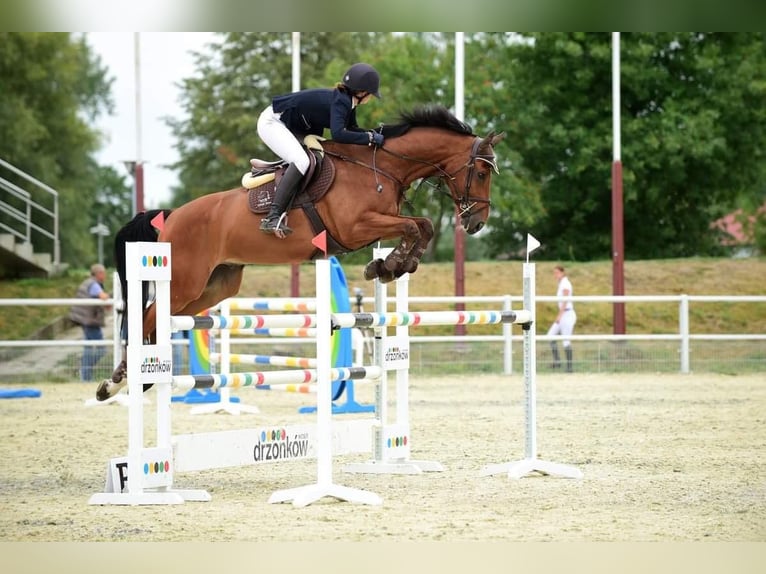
point(532, 244)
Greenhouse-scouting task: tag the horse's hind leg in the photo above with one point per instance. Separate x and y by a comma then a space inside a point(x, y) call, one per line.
point(224, 282)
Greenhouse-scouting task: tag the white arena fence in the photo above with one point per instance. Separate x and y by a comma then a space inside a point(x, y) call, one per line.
point(684, 350)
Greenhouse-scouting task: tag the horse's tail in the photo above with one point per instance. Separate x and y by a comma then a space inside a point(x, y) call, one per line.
point(137, 229)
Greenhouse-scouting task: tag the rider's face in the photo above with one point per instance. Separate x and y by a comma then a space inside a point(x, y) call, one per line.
point(363, 97)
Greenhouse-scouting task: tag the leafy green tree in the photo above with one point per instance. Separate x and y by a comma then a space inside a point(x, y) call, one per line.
point(692, 137)
point(114, 206)
point(53, 87)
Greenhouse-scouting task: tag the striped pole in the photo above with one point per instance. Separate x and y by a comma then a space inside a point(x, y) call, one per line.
point(274, 360)
point(185, 322)
point(276, 332)
point(257, 378)
point(277, 304)
point(342, 320)
point(350, 320)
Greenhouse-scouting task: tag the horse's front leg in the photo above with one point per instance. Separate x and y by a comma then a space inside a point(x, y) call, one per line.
point(426, 234)
point(394, 265)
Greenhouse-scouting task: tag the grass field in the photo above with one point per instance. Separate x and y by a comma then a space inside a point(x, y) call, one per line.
point(693, 276)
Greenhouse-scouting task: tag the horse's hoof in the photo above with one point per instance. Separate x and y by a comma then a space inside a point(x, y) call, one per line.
point(372, 269)
point(387, 277)
point(108, 388)
point(120, 372)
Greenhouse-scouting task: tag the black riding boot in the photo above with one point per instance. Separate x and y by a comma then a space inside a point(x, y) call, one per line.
point(282, 199)
point(568, 351)
point(556, 359)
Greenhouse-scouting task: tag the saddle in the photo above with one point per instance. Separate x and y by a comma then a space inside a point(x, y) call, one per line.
point(263, 172)
point(261, 184)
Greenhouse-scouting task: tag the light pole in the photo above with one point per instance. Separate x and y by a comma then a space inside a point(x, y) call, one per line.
point(101, 231)
point(138, 168)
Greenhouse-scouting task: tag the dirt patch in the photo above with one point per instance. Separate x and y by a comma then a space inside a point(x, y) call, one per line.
point(664, 457)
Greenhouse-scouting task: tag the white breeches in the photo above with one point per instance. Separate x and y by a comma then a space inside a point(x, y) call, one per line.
point(565, 327)
point(280, 140)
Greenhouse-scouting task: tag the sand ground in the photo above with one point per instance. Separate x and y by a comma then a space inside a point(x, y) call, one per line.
point(664, 457)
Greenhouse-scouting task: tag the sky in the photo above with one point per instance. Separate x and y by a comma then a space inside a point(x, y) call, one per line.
point(164, 60)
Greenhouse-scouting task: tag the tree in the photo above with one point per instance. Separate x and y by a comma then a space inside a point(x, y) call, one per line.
point(692, 137)
point(113, 206)
point(52, 88)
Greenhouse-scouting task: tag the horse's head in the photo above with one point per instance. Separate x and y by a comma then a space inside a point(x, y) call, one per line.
point(470, 185)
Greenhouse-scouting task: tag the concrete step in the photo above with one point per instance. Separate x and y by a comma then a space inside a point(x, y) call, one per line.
point(18, 259)
point(7, 241)
point(25, 250)
point(43, 260)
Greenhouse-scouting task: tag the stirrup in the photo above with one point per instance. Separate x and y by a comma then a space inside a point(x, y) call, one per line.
point(276, 226)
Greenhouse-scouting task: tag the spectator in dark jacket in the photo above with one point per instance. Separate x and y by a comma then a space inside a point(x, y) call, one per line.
point(91, 318)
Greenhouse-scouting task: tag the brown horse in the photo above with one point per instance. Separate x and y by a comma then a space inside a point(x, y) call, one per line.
point(215, 235)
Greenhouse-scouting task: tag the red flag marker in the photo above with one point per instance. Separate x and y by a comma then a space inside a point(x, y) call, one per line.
point(320, 242)
point(159, 221)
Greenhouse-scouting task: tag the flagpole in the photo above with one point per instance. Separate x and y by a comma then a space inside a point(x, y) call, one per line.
point(295, 270)
point(618, 241)
point(459, 233)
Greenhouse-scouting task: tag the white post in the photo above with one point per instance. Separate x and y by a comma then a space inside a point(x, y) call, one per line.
point(324, 378)
point(403, 331)
point(381, 386)
point(135, 387)
point(507, 339)
point(117, 311)
point(305, 495)
point(530, 363)
point(388, 459)
point(530, 463)
point(683, 329)
point(150, 470)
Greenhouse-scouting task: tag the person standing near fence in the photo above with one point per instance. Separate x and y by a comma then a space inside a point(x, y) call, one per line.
point(91, 318)
point(565, 318)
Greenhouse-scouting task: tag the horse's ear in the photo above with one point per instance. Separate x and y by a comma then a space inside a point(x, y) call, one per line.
point(491, 139)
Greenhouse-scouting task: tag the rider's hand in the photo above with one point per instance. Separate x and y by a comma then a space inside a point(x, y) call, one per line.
point(376, 138)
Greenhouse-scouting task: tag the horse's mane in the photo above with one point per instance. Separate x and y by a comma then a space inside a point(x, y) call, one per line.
point(137, 229)
point(432, 116)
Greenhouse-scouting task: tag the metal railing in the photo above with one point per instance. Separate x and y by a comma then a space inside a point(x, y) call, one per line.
point(23, 217)
point(682, 340)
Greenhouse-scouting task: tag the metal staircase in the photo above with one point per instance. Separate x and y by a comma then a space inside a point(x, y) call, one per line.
point(29, 226)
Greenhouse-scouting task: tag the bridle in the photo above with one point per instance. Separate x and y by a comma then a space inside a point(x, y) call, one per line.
point(464, 202)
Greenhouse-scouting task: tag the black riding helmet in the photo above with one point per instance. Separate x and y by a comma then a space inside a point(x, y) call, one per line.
point(362, 78)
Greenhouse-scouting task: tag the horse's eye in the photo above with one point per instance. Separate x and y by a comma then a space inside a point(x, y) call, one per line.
point(482, 175)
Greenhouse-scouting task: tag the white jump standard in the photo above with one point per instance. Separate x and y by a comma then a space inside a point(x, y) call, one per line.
point(530, 463)
point(150, 470)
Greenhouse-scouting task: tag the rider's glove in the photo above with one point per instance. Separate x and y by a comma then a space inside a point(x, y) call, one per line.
point(376, 138)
